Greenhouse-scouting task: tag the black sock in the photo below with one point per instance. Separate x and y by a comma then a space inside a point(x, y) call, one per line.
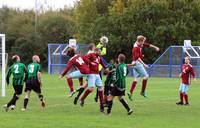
point(110, 103)
point(124, 103)
point(12, 101)
point(80, 91)
point(25, 102)
point(41, 97)
point(97, 94)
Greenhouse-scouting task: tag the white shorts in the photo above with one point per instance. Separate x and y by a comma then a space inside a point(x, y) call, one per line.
point(94, 80)
point(76, 74)
point(139, 70)
point(184, 88)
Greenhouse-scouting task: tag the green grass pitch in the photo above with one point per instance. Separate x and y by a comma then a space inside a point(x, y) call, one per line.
point(158, 111)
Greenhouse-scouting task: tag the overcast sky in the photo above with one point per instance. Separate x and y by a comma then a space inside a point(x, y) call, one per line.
point(30, 4)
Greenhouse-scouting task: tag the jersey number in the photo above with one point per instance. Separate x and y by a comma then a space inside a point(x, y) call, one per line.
point(16, 67)
point(31, 69)
point(80, 61)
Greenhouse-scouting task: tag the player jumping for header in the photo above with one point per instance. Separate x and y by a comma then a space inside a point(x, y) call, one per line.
point(139, 69)
point(187, 72)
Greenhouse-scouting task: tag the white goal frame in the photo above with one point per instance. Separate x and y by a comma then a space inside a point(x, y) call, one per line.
point(3, 40)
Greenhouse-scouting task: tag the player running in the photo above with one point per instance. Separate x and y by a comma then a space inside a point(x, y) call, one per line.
point(139, 69)
point(119, 85)
point(19, 72)
point(34, 82)
point(81, 63)
point(187, 72)
point(94, 77)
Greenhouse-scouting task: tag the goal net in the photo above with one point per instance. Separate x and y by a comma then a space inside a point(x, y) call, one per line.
point(57, 58)
point(3, 63)
point(170, 62)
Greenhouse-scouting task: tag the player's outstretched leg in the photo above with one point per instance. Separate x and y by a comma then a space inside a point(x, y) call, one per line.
point(144, 84)
point(87, 92)
point(71, 86)
point(125, 104)
point(130, 94)
point(96, 96)
point(80, 91)
point(11, 102)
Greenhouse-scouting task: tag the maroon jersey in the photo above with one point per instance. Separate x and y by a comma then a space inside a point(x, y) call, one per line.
point(80, 62)
point(137, 50)
point(96, 60)
point(187, 72)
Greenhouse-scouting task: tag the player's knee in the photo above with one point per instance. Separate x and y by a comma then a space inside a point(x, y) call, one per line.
point(100, 88)
point(146, 77)
point(91, 89)
point(68, 77)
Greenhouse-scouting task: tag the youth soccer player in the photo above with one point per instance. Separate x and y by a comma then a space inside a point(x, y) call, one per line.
point(34, 82)
point(187, 72)
point(94, 77)
point(81, 63)
point(19, 72)
point(139, 69)
point(119, 85)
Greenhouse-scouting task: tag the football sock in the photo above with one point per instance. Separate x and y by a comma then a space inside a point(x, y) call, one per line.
point(124, 103)
point(110, 103)
point(41, 97)
point(80, 81)
point(25, 102)
point(181, 97)
point(186, 98)
point(87, 92)
point(96, 97)
point(12, 101)
point(144, 84)
point(133, 86)
point(70, 83)
point(101, 97)
point(80, 91)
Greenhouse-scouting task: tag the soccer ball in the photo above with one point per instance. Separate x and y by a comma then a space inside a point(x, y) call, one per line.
point(104, 40)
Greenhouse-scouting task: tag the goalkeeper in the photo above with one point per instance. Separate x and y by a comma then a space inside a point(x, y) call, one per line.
point(102, 46)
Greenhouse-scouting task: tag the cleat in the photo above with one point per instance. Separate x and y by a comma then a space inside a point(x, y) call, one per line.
point(96, 99)
point(130, 112)
point(102, 108)
point(143, 94)
point(130, 96)
point(179, 103)
point(75, 100)
point(24, 109)
point(71, 94)
point(81, 103)
point(6, 108)
point(43, 104)
point(108, 112)
point(187, 104)
point(12, 107)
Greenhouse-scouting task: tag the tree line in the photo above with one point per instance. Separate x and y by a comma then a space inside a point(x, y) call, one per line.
point(163, 22)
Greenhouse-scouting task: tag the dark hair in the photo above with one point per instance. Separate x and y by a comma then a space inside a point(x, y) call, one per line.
point(71, 52)
point(15, 58)
point(122, 58)
point(91, 46)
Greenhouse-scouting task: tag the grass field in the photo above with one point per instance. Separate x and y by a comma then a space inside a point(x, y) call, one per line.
point(158, 111)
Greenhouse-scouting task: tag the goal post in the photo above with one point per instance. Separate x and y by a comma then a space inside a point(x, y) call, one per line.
point(3, 63)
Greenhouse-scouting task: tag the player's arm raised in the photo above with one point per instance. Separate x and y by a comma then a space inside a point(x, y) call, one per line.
point(67, 68)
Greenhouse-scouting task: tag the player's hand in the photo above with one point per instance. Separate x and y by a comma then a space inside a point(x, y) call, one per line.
point(107, 71)
point(93, 63)
point(157, 49)
point(146, 66)
point(61, 76)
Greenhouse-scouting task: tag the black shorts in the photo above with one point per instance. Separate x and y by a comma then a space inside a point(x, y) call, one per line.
point(107, 90)
point(116, 92)
point(18, 89)
point(33, 85)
